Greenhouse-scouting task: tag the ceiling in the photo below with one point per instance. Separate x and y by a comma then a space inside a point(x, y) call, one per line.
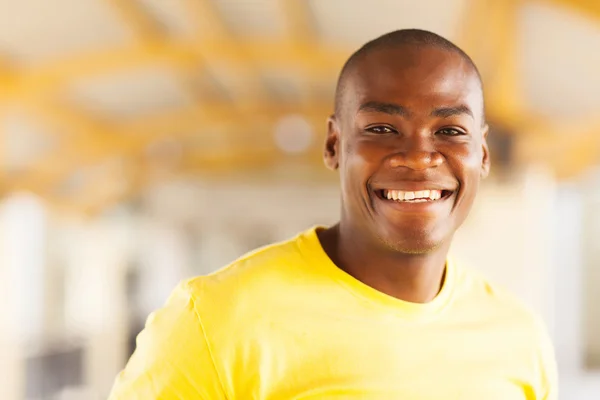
point(102, 98)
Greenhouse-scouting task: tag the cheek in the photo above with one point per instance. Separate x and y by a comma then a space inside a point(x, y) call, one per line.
point(358, 160)
point(364, 152)
point(466, 160)
point(351, 156)
point(363, 157)
point(466, 164)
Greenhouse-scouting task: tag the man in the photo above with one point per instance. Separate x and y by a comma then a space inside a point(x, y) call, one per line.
point(370, 308)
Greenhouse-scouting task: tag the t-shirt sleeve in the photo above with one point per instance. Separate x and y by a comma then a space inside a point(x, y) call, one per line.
point(172, 359)
point(548, 367)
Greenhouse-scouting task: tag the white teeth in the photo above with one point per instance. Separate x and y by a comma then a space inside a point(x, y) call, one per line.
point(418, 196)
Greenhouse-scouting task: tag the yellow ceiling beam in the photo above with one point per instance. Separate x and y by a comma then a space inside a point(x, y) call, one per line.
point(491, 36)
point(5, 75)
point(299, 22)
point(473, 29)
point(245, 98)
point(206, 19)
point(70, 125)
point(505, 94)
point(591, 8)
point(144, 28)
point(489, 33)
point(203, 12)
point(50, 77)
point(568, 152)
point(73, 129)
point(48, 171)
point(129, 139)
point(196, 164)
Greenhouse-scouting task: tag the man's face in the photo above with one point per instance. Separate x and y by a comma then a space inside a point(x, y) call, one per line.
point(410, 146)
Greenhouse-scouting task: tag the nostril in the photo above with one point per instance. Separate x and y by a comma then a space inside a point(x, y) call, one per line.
point(416, 160)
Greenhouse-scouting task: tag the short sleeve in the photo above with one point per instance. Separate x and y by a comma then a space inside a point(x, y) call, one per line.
point(548, 367)
point(172, 359)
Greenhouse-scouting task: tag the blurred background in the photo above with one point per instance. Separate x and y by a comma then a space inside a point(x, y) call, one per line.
point(146, 141)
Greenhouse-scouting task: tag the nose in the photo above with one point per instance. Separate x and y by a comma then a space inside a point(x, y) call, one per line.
point(417, 155)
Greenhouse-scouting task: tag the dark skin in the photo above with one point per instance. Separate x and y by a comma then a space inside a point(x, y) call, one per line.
point(410, 118)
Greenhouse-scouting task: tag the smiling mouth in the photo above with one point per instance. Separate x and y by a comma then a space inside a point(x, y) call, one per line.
point(420, 196)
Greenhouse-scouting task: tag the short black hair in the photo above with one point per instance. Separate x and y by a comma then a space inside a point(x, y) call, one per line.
point(417, 37)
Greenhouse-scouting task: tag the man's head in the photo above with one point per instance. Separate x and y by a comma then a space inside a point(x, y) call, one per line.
point(409, 122)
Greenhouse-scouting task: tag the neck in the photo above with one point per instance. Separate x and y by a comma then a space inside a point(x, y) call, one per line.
point(416, 278)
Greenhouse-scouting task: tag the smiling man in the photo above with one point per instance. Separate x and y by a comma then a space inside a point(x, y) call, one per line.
point(371, 308)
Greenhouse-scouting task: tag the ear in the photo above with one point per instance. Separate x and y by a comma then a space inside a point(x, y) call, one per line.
point(485, 161)
point(332, 144)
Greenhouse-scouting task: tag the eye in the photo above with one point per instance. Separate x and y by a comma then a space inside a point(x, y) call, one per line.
point(381, 129)
point(451, 132)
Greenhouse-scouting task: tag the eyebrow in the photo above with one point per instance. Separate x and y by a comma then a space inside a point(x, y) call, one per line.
point(446, 112)
point(396, 109)
point(386, 108)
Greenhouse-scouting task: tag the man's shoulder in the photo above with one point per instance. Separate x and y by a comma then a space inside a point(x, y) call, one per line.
point(479, 291)
point(255, 271)
point(517, 322)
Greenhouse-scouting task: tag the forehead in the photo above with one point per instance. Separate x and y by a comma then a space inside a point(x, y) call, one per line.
point(416, 78)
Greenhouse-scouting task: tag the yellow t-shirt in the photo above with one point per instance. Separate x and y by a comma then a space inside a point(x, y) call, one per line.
point(285, 323)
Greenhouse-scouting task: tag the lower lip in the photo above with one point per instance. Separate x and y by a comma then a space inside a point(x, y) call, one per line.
point(414, 207)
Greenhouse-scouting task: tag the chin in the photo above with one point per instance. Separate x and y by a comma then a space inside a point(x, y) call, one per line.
point(417, 243)
point(413, 248)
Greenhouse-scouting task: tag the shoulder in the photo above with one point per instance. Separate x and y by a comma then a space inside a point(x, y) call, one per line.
point(251, 268)
point(479, 292)
point(520, 324)
point(249, 283)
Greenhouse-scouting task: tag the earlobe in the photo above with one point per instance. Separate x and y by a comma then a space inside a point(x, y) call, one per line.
point(485, 161)
point(331, 154)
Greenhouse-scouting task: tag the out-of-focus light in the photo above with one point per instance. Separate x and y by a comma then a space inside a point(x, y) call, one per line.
point(293, 134)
